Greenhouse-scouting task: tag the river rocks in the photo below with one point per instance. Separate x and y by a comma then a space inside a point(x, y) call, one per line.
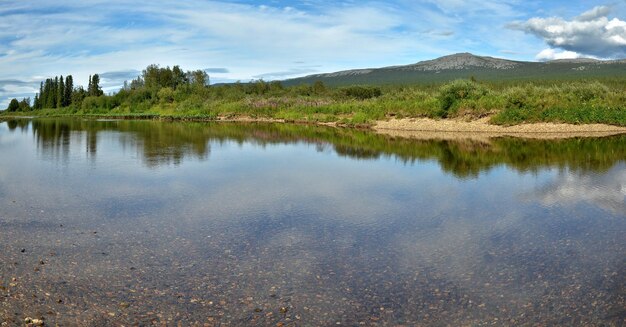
point(30, 322)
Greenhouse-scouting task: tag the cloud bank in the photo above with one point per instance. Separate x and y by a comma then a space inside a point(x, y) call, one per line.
point(591, 34)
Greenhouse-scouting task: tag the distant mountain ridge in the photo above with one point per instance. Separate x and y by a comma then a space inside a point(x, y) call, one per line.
point(465, 65)
point(463, 61)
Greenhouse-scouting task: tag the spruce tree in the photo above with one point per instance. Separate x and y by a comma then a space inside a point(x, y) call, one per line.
point(94, 88)
point(49, 103)
point(39, 102)
point(54, 92)
point(69, 86)
point(61, 93)
point(95, 81)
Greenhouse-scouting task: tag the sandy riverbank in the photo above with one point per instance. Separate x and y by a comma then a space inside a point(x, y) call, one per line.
point(426, 128)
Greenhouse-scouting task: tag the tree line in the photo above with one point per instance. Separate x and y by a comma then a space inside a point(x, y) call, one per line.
point(58, 92)
point(155, 77)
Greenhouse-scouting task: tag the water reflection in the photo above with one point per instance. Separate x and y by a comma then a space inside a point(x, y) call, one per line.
point(606, 190)
point(150, 223)
point(14, 124)
point(170, 143)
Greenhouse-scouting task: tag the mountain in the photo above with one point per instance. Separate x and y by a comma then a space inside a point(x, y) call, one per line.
point(466, 65)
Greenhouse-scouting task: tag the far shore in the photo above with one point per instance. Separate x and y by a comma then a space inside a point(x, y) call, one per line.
point(420, 128)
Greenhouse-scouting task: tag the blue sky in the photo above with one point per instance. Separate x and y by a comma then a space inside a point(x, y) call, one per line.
point(243, 40)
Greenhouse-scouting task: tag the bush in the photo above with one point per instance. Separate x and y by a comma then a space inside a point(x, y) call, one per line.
point(318, 87)
point(586, 92)
point(517, 97)
point(103, 102)
point(192, 104)
point(90, 103)
point(139, 96)
point(362, 92)
point(454, 92)
point(166, 95)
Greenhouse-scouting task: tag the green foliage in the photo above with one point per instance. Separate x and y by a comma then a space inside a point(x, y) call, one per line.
point(451, 95)
point(61, 93)
point(99, 103)
point(14, 105)
point(585, 92)
point(166, 95)
point(362, 92)
point(318, 87)
point(359, 118)
point(67, 92)
point(93, 89)
point(24, 105)
point(198, 78)
point(78, 95)
point(55, 93)
point(575, 103)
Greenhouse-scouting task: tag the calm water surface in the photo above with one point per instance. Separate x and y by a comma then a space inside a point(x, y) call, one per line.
point(142, 223)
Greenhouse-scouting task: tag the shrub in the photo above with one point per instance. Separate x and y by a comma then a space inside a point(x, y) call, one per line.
point(95, 103)
point(362, 92)
point(454, 92)
point(166, 95)
point(586, 92)
point(193, 103)
point(139, 96)
point(516, 97)
point(318, 87)
point(90, 103)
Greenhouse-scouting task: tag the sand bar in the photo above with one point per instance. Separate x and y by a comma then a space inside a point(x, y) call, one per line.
point(426, 128)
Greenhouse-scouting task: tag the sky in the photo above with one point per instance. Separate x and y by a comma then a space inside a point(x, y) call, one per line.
point(245, 39)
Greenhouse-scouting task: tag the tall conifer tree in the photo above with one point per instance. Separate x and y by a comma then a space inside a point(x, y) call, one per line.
point(54, 92)
point(61, 93)
point(48, 88)
point(69, 87)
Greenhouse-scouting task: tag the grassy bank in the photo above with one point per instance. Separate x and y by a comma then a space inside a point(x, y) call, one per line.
point(576, 102)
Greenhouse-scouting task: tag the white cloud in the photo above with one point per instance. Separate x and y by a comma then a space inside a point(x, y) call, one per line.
point(551, 54)
point(589, 34)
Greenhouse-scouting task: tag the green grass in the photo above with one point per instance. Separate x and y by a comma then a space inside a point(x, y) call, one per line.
point(508, 103)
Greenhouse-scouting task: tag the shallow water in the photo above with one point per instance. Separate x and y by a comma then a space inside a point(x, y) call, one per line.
point(140, 223)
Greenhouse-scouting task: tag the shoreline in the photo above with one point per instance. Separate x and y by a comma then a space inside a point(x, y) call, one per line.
point(419, 128)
